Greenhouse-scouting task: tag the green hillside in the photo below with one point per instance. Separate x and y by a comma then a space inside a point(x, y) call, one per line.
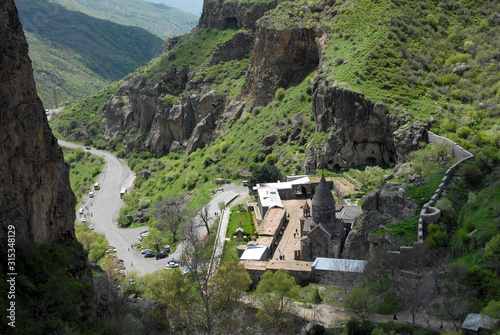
point(430, 61)
point(159, 19)
point(79, 54)
point(188, 6)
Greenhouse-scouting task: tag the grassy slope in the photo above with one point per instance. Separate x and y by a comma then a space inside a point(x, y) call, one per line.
point(84, 170)
point(407, 65)
point(159, 19)
point(79, 54)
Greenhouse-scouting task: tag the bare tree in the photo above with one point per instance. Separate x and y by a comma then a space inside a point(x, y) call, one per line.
point(172, 211)
point(205, 218)
point(413, 294)
point(208, 298)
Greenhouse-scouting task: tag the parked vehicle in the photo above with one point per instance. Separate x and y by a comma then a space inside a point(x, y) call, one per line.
point(161, 255)
point(145, 251)
point(80, 210)
point(91, 194)
point(148, 255)
point(173, 263)
point(122, 192)
point(96, 186)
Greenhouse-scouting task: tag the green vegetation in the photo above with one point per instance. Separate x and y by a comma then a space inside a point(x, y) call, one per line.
point(84, 170)
point(50, 291)
point(79, 54)
point(242, 220)
point(404, 53)
point(159, 19)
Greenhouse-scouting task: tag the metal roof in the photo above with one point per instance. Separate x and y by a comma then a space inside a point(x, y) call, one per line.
point(253, 252)
point(269, 197)
point(476, 321)
point(339, 264)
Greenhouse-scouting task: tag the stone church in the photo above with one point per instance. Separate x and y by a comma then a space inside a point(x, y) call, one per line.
point(322, 233)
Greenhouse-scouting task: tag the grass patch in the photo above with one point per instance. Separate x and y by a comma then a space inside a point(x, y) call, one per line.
point(240, 220)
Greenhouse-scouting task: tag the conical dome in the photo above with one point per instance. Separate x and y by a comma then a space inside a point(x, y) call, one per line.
point(323, 204)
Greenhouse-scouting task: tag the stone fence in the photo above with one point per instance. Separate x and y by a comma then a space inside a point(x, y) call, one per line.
point(429, 213)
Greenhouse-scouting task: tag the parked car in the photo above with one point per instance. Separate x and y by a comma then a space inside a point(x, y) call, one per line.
point(83, 220)
point(91, 227)
point(91, 194)
point(145, 251)
point(148, 255)
point(81, 210)
point(173, 263)
point(161, 255)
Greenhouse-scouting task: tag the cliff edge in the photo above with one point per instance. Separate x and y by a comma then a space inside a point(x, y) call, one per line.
point(35, 197)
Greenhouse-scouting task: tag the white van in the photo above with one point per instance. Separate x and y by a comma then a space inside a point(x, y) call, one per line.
point(122, 192)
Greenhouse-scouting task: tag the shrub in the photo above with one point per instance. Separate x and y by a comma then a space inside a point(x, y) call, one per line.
point(316, 297)
point(271, 159)
point(279, 94)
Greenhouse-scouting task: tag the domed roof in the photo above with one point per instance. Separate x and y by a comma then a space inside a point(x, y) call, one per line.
point(323, 197)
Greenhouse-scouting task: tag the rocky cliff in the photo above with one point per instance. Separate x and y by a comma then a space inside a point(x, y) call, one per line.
point(361, 132)
point(35, 198)
point(181, 109)
point(388, 205)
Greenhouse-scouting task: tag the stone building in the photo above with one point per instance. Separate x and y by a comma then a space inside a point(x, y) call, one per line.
point(322, 233)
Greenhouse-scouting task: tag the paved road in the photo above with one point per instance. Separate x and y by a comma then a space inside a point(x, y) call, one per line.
point(106, 204)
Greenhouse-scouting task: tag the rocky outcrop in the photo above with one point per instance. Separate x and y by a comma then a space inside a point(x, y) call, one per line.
point(278, 55)
point(36, 201)
point(239, 45)
point(220, 15)
point(360, 132)
point(381, 207)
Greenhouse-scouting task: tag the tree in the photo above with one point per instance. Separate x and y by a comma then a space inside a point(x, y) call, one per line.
point(153, 240)
point(272, 294)
point(205, 218)
point(86, 238)
point(264, 173)
point(359, 302)
point(491, 254)
point(205, 299)
point(173, 211)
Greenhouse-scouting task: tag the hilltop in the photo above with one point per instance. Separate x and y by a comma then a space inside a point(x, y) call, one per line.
point(160, 19)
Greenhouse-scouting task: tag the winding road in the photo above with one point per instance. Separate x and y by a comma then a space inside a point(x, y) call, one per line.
point(102, 211)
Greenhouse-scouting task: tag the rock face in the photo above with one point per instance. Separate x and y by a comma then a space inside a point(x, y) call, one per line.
point(361, 132)
point(220, 15)
point(381, 207)
point(36, 198)
point(277, 57)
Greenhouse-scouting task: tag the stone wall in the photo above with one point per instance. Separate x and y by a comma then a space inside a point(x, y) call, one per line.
point(429, 213)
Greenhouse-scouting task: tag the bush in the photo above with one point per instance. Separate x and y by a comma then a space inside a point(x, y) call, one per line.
point(271, 159)
point(471, 173)
point(316, 297)
point(279, 94)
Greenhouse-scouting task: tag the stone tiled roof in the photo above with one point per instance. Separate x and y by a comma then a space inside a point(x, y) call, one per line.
point(323, 197)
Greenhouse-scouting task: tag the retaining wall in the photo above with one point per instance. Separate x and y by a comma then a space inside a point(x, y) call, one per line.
point(429, 213)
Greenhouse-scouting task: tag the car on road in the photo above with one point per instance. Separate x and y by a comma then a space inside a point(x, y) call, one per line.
point(83, 219)
point(80, 210)
point(161, 255)
point(148, 255)
point(91, 194)
point(88, 148)
point(173, 263)
point(91, 227)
